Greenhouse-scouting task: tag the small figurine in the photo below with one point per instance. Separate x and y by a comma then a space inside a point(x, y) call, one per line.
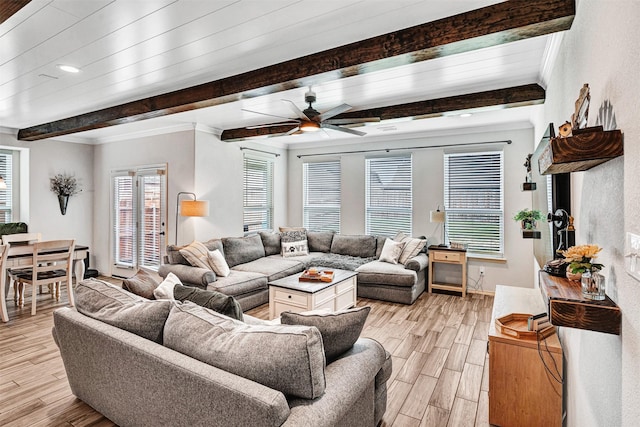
point(565, 129)
point(527, 164)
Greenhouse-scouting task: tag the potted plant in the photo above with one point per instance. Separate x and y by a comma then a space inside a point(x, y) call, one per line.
point(528, 218)
point(64, 186)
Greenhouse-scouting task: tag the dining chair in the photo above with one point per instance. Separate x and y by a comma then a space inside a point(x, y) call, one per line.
point(19, 239)
point(4, 251)
point(52, 264)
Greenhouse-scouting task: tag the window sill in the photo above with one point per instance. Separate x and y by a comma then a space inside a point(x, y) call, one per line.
point(471, 255)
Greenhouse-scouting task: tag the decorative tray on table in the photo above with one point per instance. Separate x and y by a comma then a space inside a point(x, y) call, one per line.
point(516, 325)
point(315, 275)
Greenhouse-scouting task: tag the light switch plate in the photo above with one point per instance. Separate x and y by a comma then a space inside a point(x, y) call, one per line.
point(632, 255)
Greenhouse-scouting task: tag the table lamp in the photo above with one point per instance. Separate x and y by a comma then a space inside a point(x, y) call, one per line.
point(439, 217)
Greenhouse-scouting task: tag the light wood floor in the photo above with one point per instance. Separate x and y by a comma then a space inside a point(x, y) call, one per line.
point(438, 346)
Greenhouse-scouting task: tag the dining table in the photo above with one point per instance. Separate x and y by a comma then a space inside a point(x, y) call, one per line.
point(22, 256)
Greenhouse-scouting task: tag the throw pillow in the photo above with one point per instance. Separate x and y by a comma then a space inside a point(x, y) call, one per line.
point(340, 329)
point(220, 266)
point(286, 358)
point(271, 242)
point(213, 300)
point(283, 229)
point(412, 247)
point(117, 307)
point(165, 289)
point(142, 284)
point(197, 254)
point(294, 243)
point(391, 251)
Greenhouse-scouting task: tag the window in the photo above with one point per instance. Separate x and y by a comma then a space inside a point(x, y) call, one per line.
point(388, 195)
point(321, 198)
point(138, 217)
point(6, 196)
point(474, 200)
point(258, 193)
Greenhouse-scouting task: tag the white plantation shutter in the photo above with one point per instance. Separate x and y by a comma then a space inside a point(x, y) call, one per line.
point(388, 195)
point(321, 198)
point(123, 214)
point(258, 193)
point(474, 200)
point(6, 196)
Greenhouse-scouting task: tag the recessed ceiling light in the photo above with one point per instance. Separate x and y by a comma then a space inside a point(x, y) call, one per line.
point(68, 68)
point(466, 115)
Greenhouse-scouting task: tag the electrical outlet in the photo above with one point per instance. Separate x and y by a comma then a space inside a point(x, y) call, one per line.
point(632, 255)
point(482, 270)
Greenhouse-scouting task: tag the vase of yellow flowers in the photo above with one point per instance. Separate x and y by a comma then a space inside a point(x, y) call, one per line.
point(580, 259)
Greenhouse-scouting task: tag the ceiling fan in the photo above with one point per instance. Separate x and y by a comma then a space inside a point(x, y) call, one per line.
point(311, 120)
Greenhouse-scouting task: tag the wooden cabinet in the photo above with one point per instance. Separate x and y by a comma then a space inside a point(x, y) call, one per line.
point(522, 388)
point(445, 255)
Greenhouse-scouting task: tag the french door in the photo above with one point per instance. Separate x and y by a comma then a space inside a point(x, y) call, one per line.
point(138, 219)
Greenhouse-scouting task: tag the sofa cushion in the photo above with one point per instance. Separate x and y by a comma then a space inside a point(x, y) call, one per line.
point(383, 273)
point(342, 262)
point(320, 241)
point(339, 329)
point(197, 254)
point(174, 256)
point(391, 251)
point(354, 245)
point(272, 267)
point(286, 358)
point(142, 284)
point(117, 307)
point(271, 242)
point(238, 250)
point(239, 283)
point(213, 300)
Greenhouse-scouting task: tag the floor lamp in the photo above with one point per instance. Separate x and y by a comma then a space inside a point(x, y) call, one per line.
point(440, 217)
point(193, 207)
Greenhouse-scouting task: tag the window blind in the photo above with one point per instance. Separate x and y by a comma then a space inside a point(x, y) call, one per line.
point(152, 185)
point(321, 196)
point(258, 193)
point(474, 200)
point(388, 195)
point(6, 196)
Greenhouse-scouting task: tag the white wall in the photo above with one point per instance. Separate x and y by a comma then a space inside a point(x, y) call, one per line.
point(175, 149)
point(428, 193)
point(602, 372)
point(219, 177)
point(46, 159)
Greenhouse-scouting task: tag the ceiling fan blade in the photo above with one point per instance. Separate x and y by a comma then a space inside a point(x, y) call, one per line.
point(341, 129)
point(265, 114)
point(269, 125)
point(334, 111)
point(296, 110)
point(294, 131)
point(352, 121)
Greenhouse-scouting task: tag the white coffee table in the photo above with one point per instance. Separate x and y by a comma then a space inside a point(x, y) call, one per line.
point(291, 294)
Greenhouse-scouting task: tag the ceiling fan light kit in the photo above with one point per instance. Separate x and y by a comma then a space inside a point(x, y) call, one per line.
point(311, 120)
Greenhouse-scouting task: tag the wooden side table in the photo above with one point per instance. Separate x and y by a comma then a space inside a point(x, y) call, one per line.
point(447, 255)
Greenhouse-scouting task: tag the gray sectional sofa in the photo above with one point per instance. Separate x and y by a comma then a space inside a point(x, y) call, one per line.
point(256, 260)
point(143, 362)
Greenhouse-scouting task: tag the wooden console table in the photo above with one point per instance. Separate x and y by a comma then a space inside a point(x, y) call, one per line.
point(522, 391)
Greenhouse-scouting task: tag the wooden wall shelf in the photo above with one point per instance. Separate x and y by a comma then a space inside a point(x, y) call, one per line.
point(531, 234)
point(585, 149)
point(567, 307)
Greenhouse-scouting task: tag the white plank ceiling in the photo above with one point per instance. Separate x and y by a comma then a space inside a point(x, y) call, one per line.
point(133, 49)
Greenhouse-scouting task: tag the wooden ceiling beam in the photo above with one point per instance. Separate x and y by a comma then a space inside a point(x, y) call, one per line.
point(510, 97)
point(9, 7)
point(489, 26)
